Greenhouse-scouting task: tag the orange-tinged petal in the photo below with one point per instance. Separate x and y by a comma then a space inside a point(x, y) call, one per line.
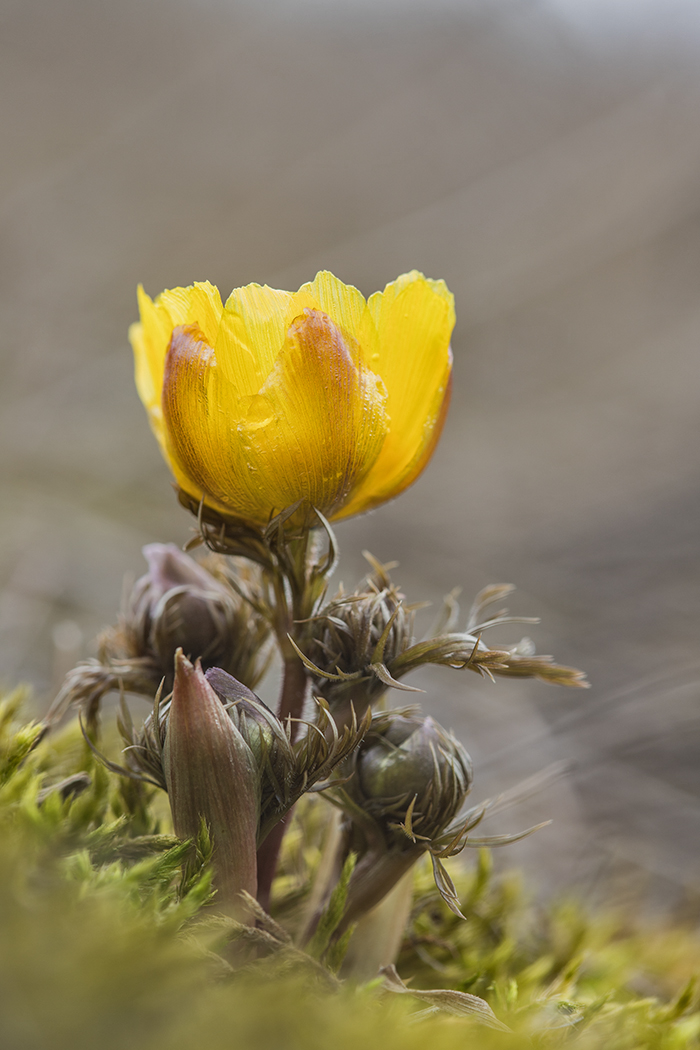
point(318, 423)
point(414, 318)
point(199, 304)
point(200, 426)
point(312, 432)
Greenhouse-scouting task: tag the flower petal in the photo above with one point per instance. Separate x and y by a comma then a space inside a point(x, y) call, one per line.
point(318, 423)
point(314, 395)
point(414, 318)
point(343, 303)
point(251, 335)
point(199, 304)
point(199, 411)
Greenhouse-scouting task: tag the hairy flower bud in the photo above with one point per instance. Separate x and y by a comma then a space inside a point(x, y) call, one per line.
point(407, 759)
point(353, 637)
point(211, 775)
point(362, 643)
point(178, 604)
point(409, 779)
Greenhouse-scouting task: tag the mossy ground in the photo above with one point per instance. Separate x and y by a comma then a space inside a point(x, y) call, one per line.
point(109, 940)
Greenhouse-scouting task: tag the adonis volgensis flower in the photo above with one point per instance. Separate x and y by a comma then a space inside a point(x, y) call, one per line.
point(278, 397)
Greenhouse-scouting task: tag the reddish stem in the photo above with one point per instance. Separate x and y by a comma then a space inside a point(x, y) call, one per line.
point(268, 855)
point(291, 703)
point(293, 692)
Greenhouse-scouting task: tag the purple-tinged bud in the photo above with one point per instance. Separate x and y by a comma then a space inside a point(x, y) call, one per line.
point(218, 617)
point(211, 775)
point(177, 604)
point(258, 725)
point(286, 769)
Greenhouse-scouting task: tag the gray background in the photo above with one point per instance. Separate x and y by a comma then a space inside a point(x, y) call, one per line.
point(542, 157)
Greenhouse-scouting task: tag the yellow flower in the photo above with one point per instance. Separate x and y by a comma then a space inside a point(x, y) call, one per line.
point(313, 395)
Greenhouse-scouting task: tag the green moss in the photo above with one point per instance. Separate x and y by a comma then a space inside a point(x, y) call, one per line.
point(108, 940)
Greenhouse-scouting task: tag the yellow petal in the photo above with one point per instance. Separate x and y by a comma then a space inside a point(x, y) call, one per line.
point(344, 304)
point(251, 335)
point(312, 432)
point(199, 304)
point(204, 309)
point(315, 395)
point(414, 318)
point(318, 423)
point(198, 428)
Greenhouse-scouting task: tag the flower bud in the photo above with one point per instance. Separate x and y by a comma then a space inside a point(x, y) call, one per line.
point(257, 724)
point(360, 644)
point(410, 778)
point(177, 604)
point(211, 775)
point(352, 639)
point(408, 759)
point(286, 770)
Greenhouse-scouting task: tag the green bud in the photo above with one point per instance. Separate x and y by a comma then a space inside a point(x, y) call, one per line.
point(409, 780)
point(407, 758)
point(211, 775)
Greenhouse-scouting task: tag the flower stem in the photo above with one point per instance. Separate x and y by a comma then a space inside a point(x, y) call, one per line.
point(375, 875)
point(268, 854)
point(293, 692)
point(292, 704)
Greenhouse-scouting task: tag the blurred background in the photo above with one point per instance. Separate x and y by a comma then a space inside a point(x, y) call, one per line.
point(544, 158)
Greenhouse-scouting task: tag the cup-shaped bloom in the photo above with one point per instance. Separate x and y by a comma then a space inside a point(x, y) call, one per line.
point(277, 397)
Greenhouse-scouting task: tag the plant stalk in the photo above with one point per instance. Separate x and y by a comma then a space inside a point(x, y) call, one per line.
point(291, 704)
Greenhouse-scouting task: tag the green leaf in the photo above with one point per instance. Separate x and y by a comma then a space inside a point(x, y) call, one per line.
point(333, 912)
